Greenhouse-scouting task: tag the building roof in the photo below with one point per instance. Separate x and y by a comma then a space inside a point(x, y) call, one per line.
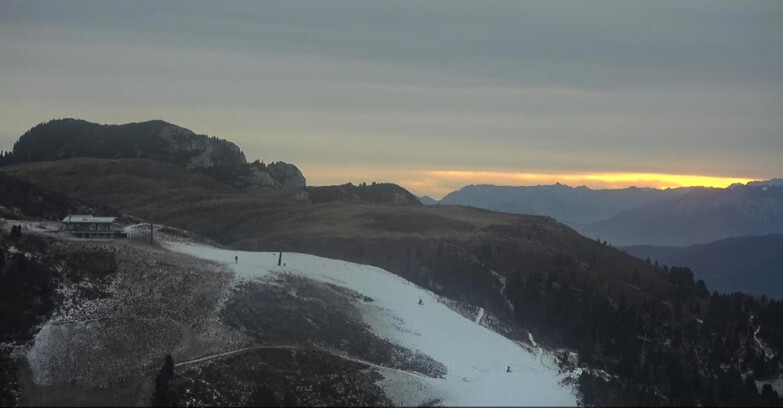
point(88, 219)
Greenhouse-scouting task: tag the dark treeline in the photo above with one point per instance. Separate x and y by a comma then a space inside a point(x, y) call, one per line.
point(6, 158)
point(30, 274)
point(694, 348)
point(27, 297)
point(645, 335)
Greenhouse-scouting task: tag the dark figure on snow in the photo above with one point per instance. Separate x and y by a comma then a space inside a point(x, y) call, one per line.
point(236, 258)
point(508, 369)
point(420, 302)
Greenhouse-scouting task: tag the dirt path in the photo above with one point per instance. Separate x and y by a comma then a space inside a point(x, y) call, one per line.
point(214, 356)
point(289, 347)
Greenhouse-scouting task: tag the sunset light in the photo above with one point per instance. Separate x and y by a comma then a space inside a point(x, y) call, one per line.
point(438, 183)
point(595, 180)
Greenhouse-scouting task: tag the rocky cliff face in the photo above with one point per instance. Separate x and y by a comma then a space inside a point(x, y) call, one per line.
point(155, 140)
point(202, 151)
point(259, 176)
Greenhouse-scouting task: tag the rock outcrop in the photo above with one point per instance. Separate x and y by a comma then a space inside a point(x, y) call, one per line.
point(156, 140)
point(286, 174)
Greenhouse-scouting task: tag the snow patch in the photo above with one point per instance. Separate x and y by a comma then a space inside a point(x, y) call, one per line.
point(476, 358)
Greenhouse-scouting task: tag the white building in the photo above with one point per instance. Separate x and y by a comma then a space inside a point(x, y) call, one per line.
point(87, 226)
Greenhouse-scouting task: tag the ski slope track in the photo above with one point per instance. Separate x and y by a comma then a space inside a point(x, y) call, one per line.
point(475, 357)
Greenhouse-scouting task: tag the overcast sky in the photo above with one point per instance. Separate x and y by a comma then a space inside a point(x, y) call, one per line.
point(432, 94)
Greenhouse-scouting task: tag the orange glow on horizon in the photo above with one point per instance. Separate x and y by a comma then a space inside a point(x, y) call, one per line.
point(599, 180)
point(438, 183)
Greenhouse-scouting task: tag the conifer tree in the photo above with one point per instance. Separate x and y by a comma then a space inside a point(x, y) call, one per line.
point(263, 397)
point(289, 400)
point(161, 396)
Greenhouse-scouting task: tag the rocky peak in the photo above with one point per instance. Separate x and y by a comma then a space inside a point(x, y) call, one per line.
point(155, 140)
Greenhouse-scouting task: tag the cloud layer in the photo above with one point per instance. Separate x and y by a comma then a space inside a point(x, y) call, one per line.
point(389, 88)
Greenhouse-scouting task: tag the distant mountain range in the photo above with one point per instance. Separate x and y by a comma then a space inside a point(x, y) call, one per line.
point(427, 200)
point(772, 182)
point(635, 216)
point(700, 216)
point(572, 206)
point(751, 264)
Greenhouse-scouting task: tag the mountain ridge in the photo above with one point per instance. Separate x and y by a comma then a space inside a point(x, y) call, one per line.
point(748, 264)
point(155, 140)
point(636, 216)
point(574, 206)
point(700, 216)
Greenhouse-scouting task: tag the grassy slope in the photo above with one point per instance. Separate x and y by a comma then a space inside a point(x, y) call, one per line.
point(447, 248)
point(20, 199)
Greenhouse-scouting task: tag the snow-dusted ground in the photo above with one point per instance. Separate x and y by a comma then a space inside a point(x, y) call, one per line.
point(154, 303)
point(476, 358)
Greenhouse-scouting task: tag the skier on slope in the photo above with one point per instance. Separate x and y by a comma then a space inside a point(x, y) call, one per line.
point(508, 369)
point(420, 302)
point(236, 258)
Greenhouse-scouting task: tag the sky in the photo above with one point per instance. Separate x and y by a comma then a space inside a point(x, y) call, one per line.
point(433, 95)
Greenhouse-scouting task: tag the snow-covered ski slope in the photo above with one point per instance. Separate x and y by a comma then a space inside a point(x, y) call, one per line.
point(476, 358)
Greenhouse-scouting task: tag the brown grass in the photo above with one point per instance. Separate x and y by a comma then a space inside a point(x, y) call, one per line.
point(436, 246)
